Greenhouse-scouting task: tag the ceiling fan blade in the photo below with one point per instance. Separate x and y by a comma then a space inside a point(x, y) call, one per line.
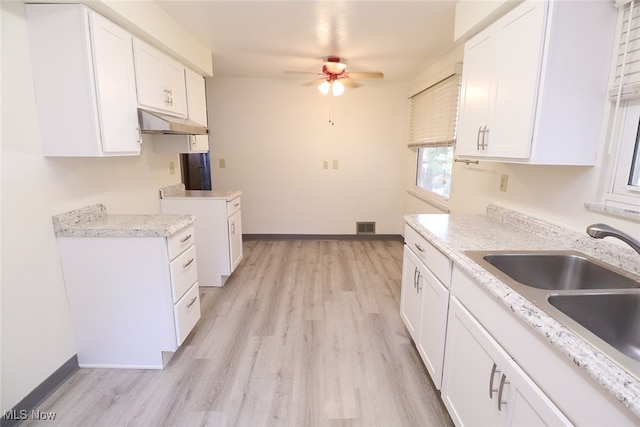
point(366, 75)
point(314, 82)
point(347, 82)
point(303, 72)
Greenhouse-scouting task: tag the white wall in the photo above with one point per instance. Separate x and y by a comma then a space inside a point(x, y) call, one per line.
point(274, 135)
point(36, 334)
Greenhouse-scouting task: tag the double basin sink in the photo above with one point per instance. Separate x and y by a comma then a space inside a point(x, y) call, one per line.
point(597, 301)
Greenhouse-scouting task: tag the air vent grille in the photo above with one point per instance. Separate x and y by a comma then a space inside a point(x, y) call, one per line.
point(365, 228)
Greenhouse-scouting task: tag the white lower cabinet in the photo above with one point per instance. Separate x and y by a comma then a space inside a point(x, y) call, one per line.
point(410, 300)
point(433, 325)
point(219, 230)
point(425, 300)
point(482, 385)
point(491, 367)
point(132, 300)
point(235, 238)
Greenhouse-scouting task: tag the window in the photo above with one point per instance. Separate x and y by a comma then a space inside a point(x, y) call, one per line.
point(623, 187)
point(432, 133)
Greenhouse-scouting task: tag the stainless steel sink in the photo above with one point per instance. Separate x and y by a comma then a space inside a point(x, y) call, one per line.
point(597, 301)
point(614, 318)
point(559, 271)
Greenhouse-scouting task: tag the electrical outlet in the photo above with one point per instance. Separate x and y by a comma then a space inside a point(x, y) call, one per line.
point(222, 163)
point(335, 164)
point(325, 164)
point(172, 168)
point(504, 180)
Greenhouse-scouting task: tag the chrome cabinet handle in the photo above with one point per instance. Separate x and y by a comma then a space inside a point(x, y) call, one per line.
point(415, 279)
point(192, 301)
point(420, 248)
point(185, 239)
point(485, 131)
point(188, 263)
point(501, 402)
point(418, 287)
point(139, 135)
point(233, 228)
point(236, 205)
point(478, 138)
point(494, 371)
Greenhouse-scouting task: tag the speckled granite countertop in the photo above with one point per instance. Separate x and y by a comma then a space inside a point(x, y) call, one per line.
point(93, 221)
point(178, 192)
point(503, 229)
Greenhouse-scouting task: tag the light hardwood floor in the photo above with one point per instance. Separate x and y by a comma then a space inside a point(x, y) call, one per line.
point(305, 333)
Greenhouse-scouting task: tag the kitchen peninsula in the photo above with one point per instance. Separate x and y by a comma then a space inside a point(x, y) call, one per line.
point(131, 283)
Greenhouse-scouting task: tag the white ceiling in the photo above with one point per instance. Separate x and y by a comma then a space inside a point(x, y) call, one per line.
point(265, 38)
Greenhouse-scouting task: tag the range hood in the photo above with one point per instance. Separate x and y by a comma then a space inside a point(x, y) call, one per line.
point(152, 122)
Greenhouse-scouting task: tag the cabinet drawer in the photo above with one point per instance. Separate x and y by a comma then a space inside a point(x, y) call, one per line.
point(438, 263)
point(183, 273)
point(187, 313)
point(180, 241)
point(233, 206)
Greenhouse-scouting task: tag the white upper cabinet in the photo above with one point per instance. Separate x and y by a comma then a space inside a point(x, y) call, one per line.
point(196, 97)
point(160, 80)
point(197, 112)
point(534, 84)
point(84, 82)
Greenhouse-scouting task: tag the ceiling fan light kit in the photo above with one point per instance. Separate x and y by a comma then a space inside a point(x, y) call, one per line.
point(334, 77)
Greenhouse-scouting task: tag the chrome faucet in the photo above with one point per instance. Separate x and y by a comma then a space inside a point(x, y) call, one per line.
point(600, 231)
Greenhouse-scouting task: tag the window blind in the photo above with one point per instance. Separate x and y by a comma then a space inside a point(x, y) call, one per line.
point(626, 84)
point(434, 113)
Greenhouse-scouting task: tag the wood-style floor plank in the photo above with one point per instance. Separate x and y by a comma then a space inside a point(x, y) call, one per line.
point(305, 333)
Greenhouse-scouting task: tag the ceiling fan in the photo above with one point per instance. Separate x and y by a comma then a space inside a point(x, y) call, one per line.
point(334, 77)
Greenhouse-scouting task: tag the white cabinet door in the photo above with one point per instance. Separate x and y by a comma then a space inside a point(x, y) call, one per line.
point(196, 97)
point(516, 83)
point(475, 95)
point(149, 76)
point(482, 385)
point(470, 383)
point(198, 143)
point(433, 324)
point(410, 298)
point(174, 83)
point(235, 239)
point(115, 86)
point(160, 80)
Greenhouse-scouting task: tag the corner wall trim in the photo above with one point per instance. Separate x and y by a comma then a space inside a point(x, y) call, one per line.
point(22, 410)
point(397, 237)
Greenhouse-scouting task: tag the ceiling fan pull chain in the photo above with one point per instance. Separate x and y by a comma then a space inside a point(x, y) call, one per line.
point(331, 113)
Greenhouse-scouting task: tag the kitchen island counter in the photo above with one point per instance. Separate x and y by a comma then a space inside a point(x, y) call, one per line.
point(93, 221)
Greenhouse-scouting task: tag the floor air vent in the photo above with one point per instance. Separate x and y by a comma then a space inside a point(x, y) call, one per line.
point(365, 228)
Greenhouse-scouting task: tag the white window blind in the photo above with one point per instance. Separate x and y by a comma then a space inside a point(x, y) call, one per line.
point(626, 84)
point(434, 113)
